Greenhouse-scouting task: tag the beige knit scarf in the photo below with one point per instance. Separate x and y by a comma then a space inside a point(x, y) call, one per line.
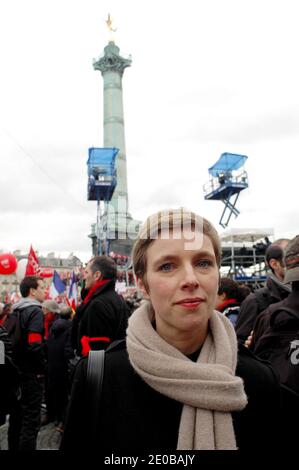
point(208, 388)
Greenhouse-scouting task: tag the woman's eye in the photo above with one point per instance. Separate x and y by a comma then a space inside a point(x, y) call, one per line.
point(204, 263)
point(166, 267)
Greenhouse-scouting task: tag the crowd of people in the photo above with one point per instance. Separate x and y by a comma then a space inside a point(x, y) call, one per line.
point(193, 361)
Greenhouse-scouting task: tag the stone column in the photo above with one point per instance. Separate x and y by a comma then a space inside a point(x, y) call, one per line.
point(112, 66)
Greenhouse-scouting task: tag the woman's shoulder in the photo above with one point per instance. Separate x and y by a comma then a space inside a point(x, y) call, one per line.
point(116, 367)
point(116, 357)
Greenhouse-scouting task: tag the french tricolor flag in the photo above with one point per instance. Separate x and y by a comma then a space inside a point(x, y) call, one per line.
point(57, 287)
point(73, 292)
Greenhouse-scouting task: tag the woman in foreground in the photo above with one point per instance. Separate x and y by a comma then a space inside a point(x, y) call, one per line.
point(178, 382)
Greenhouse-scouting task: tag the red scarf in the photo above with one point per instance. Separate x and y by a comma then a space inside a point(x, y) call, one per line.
point(49, 319)
point(224, 304)
point(94, 288)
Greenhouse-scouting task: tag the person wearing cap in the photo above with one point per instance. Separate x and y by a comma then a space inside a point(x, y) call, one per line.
point(59, 353)
point(286, 326)
point(51, 310)
point(273, 292)
point(291, 261)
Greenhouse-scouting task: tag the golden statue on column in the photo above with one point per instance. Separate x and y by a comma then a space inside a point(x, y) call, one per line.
point(109, 23)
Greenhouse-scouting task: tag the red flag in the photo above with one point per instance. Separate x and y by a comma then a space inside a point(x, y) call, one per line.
point(71, 303)
point(32, 268)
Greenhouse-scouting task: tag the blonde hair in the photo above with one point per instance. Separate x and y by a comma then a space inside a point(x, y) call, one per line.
point(169, 219)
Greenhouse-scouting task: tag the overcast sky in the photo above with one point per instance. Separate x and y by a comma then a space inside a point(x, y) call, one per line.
point(207, 77)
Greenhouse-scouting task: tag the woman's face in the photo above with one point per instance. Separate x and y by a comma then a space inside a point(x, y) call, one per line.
point(182, 283)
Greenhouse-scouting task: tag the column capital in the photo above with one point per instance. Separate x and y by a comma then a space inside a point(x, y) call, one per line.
point(111, 60)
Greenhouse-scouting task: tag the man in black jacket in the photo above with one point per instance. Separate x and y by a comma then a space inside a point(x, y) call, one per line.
point(103, 313)
point(24, 421)
point(283, 326)
point(275, 291)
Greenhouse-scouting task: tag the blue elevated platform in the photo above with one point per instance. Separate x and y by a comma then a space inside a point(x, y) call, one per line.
point(101, 173)
point(228, 179)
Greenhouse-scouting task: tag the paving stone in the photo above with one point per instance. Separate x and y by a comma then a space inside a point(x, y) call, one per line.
point(48, 437)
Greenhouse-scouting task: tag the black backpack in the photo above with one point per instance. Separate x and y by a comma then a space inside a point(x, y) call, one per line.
point(280, 346)
point(94, 382)
point(9, 378)
point(14, 331)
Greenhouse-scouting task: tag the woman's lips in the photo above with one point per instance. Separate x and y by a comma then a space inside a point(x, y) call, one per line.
point(190, 304)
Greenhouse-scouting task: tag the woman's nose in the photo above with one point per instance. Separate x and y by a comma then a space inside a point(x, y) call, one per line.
point(190, 279)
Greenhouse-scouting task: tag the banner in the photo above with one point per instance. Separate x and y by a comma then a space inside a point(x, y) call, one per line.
point(32, 268)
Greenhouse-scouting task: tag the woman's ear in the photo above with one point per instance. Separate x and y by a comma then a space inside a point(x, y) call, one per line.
point(142, 287)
